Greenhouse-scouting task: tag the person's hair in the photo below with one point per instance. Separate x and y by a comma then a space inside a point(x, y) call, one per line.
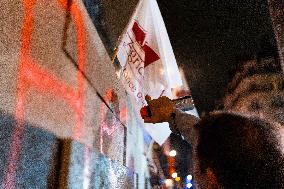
point(242, 152)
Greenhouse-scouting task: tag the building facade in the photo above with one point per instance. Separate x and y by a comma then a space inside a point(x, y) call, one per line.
point(66, 120)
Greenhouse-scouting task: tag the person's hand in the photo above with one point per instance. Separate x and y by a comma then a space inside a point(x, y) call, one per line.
point(161, 110)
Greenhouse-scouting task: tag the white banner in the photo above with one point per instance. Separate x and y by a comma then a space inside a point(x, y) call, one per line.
point(148, 62)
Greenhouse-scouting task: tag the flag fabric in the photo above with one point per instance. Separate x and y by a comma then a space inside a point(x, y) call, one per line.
point(148, 62)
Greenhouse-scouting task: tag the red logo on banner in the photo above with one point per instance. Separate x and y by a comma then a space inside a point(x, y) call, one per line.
point(140, 35)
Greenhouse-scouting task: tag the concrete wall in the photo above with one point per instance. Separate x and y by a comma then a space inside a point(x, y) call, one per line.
point(57, 82)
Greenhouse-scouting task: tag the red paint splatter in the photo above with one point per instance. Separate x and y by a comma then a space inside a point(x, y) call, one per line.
point(123, 114)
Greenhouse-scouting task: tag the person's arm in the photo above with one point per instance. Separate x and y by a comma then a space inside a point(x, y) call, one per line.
point(183, 123)
point(163, 110)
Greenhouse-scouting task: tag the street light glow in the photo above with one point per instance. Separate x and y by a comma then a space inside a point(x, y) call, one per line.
point(177, 179)
point(188, 185)
point(189, 177)
point(174, 175)
point(173, 153)
point(169, 182)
